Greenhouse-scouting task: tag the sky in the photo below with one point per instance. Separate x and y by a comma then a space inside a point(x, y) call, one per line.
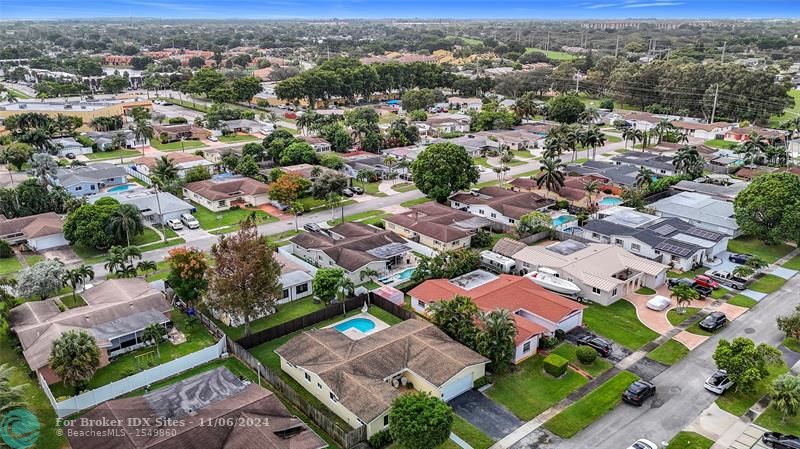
point(372, 9)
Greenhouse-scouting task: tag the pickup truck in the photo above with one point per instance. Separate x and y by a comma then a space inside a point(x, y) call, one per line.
point(727, 279)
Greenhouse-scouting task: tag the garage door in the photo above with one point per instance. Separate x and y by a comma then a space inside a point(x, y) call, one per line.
point(571, 322)
point(457, 386)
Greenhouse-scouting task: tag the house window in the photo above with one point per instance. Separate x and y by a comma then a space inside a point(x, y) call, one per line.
point(595, 235)
point(308, 377)
point(78, 188)
point(333, 397)
point(319, 385)
point(635, 247)
point(526, 347)
point(595, 290)
point(221, 203)
point(385, 420)
point(614, 292)
point(494, 215)
point(302, 288)
point(285, 293)
point(480, 211)
point(657, 252)
point(618, 242)
point(512, 221)
point(421, 303)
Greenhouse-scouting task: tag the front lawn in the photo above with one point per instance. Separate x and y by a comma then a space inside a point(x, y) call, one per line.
point(686, 274)
point(370, 188)
point(596, 368)
point(752, 245)
point(619, 323)
point(71, 302)
point(792, 344)
point(738, 403)
point(10, 265)
point(176, 146)
point(742, 301)
point(528, 390)
point(669, 353)
point(358, 217)
point(414, 202)
point(591, 407)
point(404, 187)
point(768, 283)
point(99, 156)
point(793, 263)
point(147, 236)
point(774, 420)
point(483, 162)
point(645, 291)
point(524, 154)
point(233, 138)
point(227, 218)
point(286, 312)
point(720, 143)
point(689, 440)
point(695, 329)
point(471, 434)
point(719, 293)
point(676, 318)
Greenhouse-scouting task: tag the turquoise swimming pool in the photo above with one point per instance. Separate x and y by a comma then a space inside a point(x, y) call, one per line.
point(121, 188)
point(611, 201)
point(361, 324)
point(398, 277)
point(561, 219)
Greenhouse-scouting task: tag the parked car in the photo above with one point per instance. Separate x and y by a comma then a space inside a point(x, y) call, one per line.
point(347, 192)
point(727, 279)
point(174, 224)
point(70, 156)
point(190, 221)
point(706, 281)
point(281, 206)
point(658, 303)
point(739, 258)
point(643, 444)
point(357, 190)
point(777, 440)
point(672, 282)
point(719, 382)
point(637, 392)
point(703, 291)
point(602, 347)
point(312, 227)
point(713, 321)
point(213, 138)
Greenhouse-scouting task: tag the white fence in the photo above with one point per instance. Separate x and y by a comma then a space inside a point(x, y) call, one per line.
point(137, 174)
point(420, 248)
point(286, 251)
point(139, 380)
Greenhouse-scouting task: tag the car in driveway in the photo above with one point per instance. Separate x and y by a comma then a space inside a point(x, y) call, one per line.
point(658, 303)
point(189, 221)
point(714, 321)
point(312, 227)
point(174, 224)
point(638, 392)
point(702, 290)
point(643, 444)
point(739, 258)
point(706, 281)
point(718, 382)
point(280, 206)
point(357, 190)
point(347, 192)
point(600, 345)
point(777, 440)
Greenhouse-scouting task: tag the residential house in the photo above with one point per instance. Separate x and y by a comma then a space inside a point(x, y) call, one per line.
point(475, 144)
point(359, 379)
point(219, 194)
point(245, 415)
point(436, 226)
point(537, 312)
point(658, 164)
point(408, 153)
point(369, 162)
point(246, 126)
point(503, 207)
point(183, 162)
point(319, 144)
point(705, 131)
point(574, 189)
point(743, 134)
point(725, 192)
point(157, 207)
point(700, 210)
point(173, 133)
point(670, 241)
point(116, 313)
point(646, 121)
point(443, 123)
point(103, 139)
point(604, 273)
point(307, 171)
point(354, 247)
point(89, 179)
point(621, 175)
point(68, 145)
point(466, 104)
point(39, 232)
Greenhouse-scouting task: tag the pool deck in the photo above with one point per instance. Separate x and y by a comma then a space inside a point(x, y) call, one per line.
point(355, 334)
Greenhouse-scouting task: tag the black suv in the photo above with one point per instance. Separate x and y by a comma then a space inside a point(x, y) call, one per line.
point(703, 291)
point(638, 391)
point(777, 440)
point(739, 258)
point(713, 321)
point(601, 346)
point(312, 227)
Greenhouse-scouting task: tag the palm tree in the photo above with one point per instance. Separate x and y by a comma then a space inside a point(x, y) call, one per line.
point(124, 221)
point(589, 116)
point(142, 132)
point(118, 140)
point(684, 295)
point(12, 395)
point(390, 162)
point(76, 277)
point(629, 134)
point(344, 288)
point(552, 175)
point(688, 161)
point(114, 259)
point(662, 128)
point(271, 118)
point(591, 187)
point(638, 135)
point(644, 177)
point(74, 358)
point(368, 273)
point(126, 271)
point(155, 333)
point(751, 267)
point(146, 266)
point(43, 166)
point(595, 138)
point(166, 170)
point(497, 339)
point(785, 395)
point(776, 155)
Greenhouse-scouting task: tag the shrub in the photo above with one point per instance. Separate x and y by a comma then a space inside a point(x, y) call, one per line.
point(607, 104)
point(586, 354)
point(560, 334)
point(5, 250)
point(562, 204)
point(480, 382)
point(555, 365)
point(380, 439)
point(548, 342)
point(177, 120)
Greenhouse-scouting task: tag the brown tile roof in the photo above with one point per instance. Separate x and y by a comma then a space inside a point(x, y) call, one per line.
point(434, 220)
point(704, 126)
point(228, 188)
point(355, 370)
point(508, 247)
point(32, 226)
point(176, 157)
point(507, 202)
point(763, 132)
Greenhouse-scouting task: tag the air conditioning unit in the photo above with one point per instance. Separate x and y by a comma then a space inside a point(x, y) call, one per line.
point(396, 382)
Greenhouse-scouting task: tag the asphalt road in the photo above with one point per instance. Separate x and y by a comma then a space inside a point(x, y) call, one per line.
point(680, 394)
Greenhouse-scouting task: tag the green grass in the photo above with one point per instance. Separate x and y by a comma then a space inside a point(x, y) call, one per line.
point(619, 323)
point(752, 245)
point(720, 143)
point(528, 391)
point(384, 316)
point(596, 368)
point(187, 104)
point(774, 420)
point(414, 202)
point(176, 146)
point(112, 154)
point(10, 265)
point(482, 161)
point(524, 154)
point(358, 217)
point(646, 291)
point(471, 434)
point(768, 283)
point(467, 40)
point(233, 138)
point(742, 301)
point(669, 353)
point(612, 139)
point(792, 344)
point(286, 312)
point(148, 236)
point(196, 339)
point(695, 329)
point(676, 318)
point(686, 274)
point(793, 263)
point(33, 259)
point(310, 203)
point(738, 403)
point(18, 94)
point(788, 113)
point(404, 187)
point(591, 407)
point(370, 188)
point(554, 55)
point(581, 160)
point(232, 217)
point(689, 440)
point(719, 293)
point(71, 302)
point(160, 244)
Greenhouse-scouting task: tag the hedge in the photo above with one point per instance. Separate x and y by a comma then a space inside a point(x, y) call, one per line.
point(555, 365)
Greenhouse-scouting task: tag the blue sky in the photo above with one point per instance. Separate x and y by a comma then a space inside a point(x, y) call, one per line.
point(469, 9)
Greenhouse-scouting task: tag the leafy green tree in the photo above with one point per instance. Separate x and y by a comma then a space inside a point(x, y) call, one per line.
point(790, 324)
point(785, 395)
point(326, 283)
point(446, 264)
point(187, 275)
point(421, 99)
point(533, 222)
point(746, 363)
point(75, 358)
point(255, 150)
point(332, 161)
point(457, 317)
point(247, 166)
point(419, 421)
point(205, 81)
point(87, 225)
point(195, 174)
point(12, 394)
point(298, 153)
point(443, 168)
point(338, 137)
point(16, 154)
point(565, 108)
point(767, 208)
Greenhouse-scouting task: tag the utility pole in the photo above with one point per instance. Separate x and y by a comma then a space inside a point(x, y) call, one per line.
point(616, 49)
point(714, 108)
point(547, 45)
point(577, 83)
point(724, 46)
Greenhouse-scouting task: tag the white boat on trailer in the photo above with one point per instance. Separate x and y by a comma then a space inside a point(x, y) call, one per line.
point(549, 279)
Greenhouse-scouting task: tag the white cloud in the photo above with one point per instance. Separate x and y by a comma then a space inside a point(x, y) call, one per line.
point(652, 4)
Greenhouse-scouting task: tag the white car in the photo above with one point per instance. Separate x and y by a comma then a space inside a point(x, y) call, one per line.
point(190, 221)
point(643, 444)
point(213, 138)
point(658, 303)
point(718, 382)
point(174, 224)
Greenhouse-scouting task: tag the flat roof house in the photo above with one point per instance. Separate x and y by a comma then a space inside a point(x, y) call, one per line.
point(172, 133)
point(156, 207)
point(245, 126)
point(39, 232)
point(355, 378)
point(183, 161)
point(89, 179)
point(658, 164)
point(502, 206)
point(700, 210)
point(722, 192)
point(354, 247)
point(706, 131)
point(178, 416)
point(536, 311)
point(604, 273)
point(743, 134)
point(475, 144)
point(436, 226)
point(115, 314)
point(103, 139)
point(621, 175)
point(319, 144)
point(218, 194)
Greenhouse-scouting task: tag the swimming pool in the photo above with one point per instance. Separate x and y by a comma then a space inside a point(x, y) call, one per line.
point(561, 219)
point(611, 201)
point(121, 188)
point(361, 324)
point(398, 277)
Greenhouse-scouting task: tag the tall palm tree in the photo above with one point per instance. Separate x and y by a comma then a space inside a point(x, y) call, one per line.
point(390, 162)
point(114, 259)
point(76, 277)
point(166, 170)
point(43, 166)
point(589, 116)
point(644, 177)
point(145, 267)
point(142, 132)
point(74, 358)
point(368, 273)
point(595, 138)
point(629, 134)
point(11, 395)
point(124, 221)
point(638, 135)
point(497, 339)
point(785, 395)
point(344, 288)
point(591, 188)
point(552, 174)
point(684, 295)
point(688, 161)
point(155, 333)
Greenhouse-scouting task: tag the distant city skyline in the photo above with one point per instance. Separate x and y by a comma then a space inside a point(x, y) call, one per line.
point(377, 9)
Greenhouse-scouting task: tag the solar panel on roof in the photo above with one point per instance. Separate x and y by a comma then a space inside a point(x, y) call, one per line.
point(665, 230)
point(673, 249)
point(389, 250)
point(703, 233)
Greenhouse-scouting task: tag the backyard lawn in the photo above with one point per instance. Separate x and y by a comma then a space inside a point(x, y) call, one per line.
point(742, 301)
point(414, 202)
point(71, 302)
point(752, 245)
point(10, 265)
point(793, 263)
point(112, 154)
point(554, 55)
point(470, 433)
point(669, 353)
point(596, 368)
point(738, 403)
point(148, 236)
point(176, 146)
point(286, 312)
point(234, 138)
point(768, 283)
point(720, 143)
point(675, 318)
point(227, 218)
point(591, 407)
point(689, 440)
point(619, 323)
point(528, 390)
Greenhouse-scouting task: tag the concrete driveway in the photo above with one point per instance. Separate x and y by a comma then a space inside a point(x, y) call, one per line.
point(490, 417)
point(618, 352)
